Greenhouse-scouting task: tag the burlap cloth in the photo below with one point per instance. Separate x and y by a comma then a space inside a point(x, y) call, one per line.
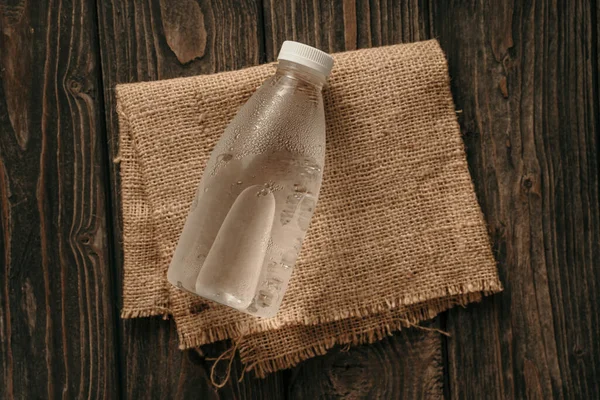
point(397, 236)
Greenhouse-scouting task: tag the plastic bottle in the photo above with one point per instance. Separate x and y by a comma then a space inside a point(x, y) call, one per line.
point(259, 191)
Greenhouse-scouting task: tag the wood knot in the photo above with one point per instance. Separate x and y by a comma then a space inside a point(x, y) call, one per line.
point(507, 62)
point(578, 351)
point(74, 86)
point(530, 183)
point(350, 377)
point(183, 23)
point(85, 239)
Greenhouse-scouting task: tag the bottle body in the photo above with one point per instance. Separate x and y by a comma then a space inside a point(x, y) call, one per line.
point(254, 203)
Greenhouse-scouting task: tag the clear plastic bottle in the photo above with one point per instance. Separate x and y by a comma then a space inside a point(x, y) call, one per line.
point(259, 190)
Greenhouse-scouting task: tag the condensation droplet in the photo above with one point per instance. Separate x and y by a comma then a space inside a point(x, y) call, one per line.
point(273, 284)
point(252, 307)
point(194, 204)
point(265, 299)
point(272, 267)
point(263, 192)
point(299, 188)
point(225, 157)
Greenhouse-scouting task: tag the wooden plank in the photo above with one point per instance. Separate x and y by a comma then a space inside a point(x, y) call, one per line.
point(407, 365)
point(410, 363)
point(143, 41)
point(524, 74)
point(344, 25)
point(154, 367)
point(57, 336)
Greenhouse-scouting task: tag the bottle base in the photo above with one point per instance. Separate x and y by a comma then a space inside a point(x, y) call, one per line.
point(225, 298)
point(179, 285)
point(229, 300)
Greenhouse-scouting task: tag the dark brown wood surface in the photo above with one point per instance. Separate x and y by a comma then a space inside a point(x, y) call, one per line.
point(525, 77)
point(525, 83)
point(57, 302)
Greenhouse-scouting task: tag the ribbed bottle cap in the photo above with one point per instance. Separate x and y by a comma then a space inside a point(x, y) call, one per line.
point(307, 56)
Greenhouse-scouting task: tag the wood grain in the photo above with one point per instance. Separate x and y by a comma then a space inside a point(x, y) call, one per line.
point(407, 365)
point(154, 368)
point(525, 77)
point(153, 40)
point(57, 315)
point(344, 25)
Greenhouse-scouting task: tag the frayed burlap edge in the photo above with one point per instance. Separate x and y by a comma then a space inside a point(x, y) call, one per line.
point(455, 295)
point(130, 313)
point(408, 319)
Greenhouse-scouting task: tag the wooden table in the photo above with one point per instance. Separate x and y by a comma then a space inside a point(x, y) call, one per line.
point(525, 79)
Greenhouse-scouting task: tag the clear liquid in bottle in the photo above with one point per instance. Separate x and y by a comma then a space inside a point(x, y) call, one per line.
point(259, 190)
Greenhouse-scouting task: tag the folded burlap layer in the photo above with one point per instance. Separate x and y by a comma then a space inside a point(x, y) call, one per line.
point(397, 236)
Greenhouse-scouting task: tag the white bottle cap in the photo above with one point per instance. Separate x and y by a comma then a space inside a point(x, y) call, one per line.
point(307, 56)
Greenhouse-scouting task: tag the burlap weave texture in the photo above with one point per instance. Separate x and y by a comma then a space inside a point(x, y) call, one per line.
point(397, 237)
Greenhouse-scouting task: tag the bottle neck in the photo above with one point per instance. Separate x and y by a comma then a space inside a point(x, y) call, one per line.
point(301, 72)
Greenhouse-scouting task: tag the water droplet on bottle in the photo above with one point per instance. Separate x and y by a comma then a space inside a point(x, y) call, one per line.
point(272, 267)
point(194, 204)
point(289, 209)
point(306, 207)
point(299, 188)
point(273, 284)
point(205, 190)
point(225, 157)
point(265, 299)
point(312, 168)
point(252, 307)
point(239, 182)
point(288, 259)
